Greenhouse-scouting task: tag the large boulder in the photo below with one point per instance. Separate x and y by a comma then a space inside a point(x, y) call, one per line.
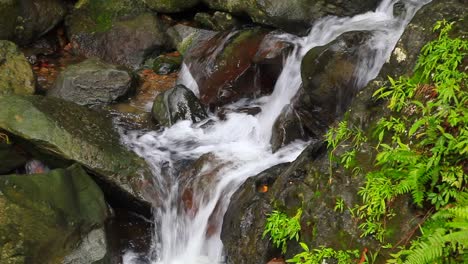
point(328, 87)
point(171, 6)
point(16, 75)
point(306, 183)
point(120, 32)
point(62, 131)
point(294, 15)
point(247, 65)
point(178, 103)
point(44, 216)
point(92, 82)
point(25, 20)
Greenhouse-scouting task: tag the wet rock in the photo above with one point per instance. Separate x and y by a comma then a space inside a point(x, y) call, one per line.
point(92, 82)
point(10, 158)
point(25, 20)
point(329, 80)
point(171, 6)
point(287, 128)
point(16, 75)
point(61, 131)
point(293, 15)
point(329, 84)
point(166, 64)
point(234, 65)
point(184, 37)
point(307, 184)
point(178, 103)
point(119, 32)
point(43, 216)
point(219, 21)
point(243, 223)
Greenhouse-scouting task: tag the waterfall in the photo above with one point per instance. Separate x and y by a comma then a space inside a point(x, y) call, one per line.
point(238, 147)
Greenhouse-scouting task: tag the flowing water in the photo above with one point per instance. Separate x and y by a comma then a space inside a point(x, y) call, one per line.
point(188, 222)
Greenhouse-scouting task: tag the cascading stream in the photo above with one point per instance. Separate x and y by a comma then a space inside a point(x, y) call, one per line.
point(239, 146)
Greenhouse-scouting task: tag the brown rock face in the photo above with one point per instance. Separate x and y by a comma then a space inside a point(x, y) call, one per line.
point(235, 65)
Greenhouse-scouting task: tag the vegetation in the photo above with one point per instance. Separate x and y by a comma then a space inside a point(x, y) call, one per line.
point(4, 138)
point(421, 150)
point(281, 228)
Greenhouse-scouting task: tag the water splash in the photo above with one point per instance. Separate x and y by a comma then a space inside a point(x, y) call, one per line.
point(238, 147)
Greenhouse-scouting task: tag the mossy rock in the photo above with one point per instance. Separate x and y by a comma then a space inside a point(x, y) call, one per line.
point(165, 64)
point(292, 15)
point(121, 32)
point(43, 216)
point(171, 6)
point(22, 21)
point(68, 132)
point(16, 75)
point(184, 37)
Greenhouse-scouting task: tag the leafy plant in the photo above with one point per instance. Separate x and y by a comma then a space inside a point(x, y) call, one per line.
point(4, 138)
point(339, 205)
point(319, 255)
point(281, 228)
point(426, 155)
point(444, 237)
point(336, 136)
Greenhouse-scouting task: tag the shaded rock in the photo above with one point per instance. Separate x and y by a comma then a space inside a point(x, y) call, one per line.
point(43, 216)
point(178, 103)
point(171, 6)
point(244, 222)
point(10, 158)
point(92, 82)
point(307, 184)
point(329, 80)
point(286, 129)
point(120, 32)
point(64, 131)
point(183, 37)
point(234, 65)
point(16, 75)
point(166, 64)
point(219, 21)
point(293, 15)
point(25, 20)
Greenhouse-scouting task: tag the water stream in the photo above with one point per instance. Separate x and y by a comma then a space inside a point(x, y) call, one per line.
point(188, 223)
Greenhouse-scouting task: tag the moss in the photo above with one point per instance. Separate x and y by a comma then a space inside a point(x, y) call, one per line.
point(16, 76)
point(171, 6)
point(87, 137)
point(43, 215)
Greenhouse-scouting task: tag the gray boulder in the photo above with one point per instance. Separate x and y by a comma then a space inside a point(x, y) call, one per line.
point(92, 82)
point(292, 15)
point(60, 132)
point(121, 32)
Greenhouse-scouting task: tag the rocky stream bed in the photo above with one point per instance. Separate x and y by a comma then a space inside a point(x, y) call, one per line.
point(89, 88)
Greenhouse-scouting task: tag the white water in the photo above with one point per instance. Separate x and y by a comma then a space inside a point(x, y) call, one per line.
point(240, 145)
